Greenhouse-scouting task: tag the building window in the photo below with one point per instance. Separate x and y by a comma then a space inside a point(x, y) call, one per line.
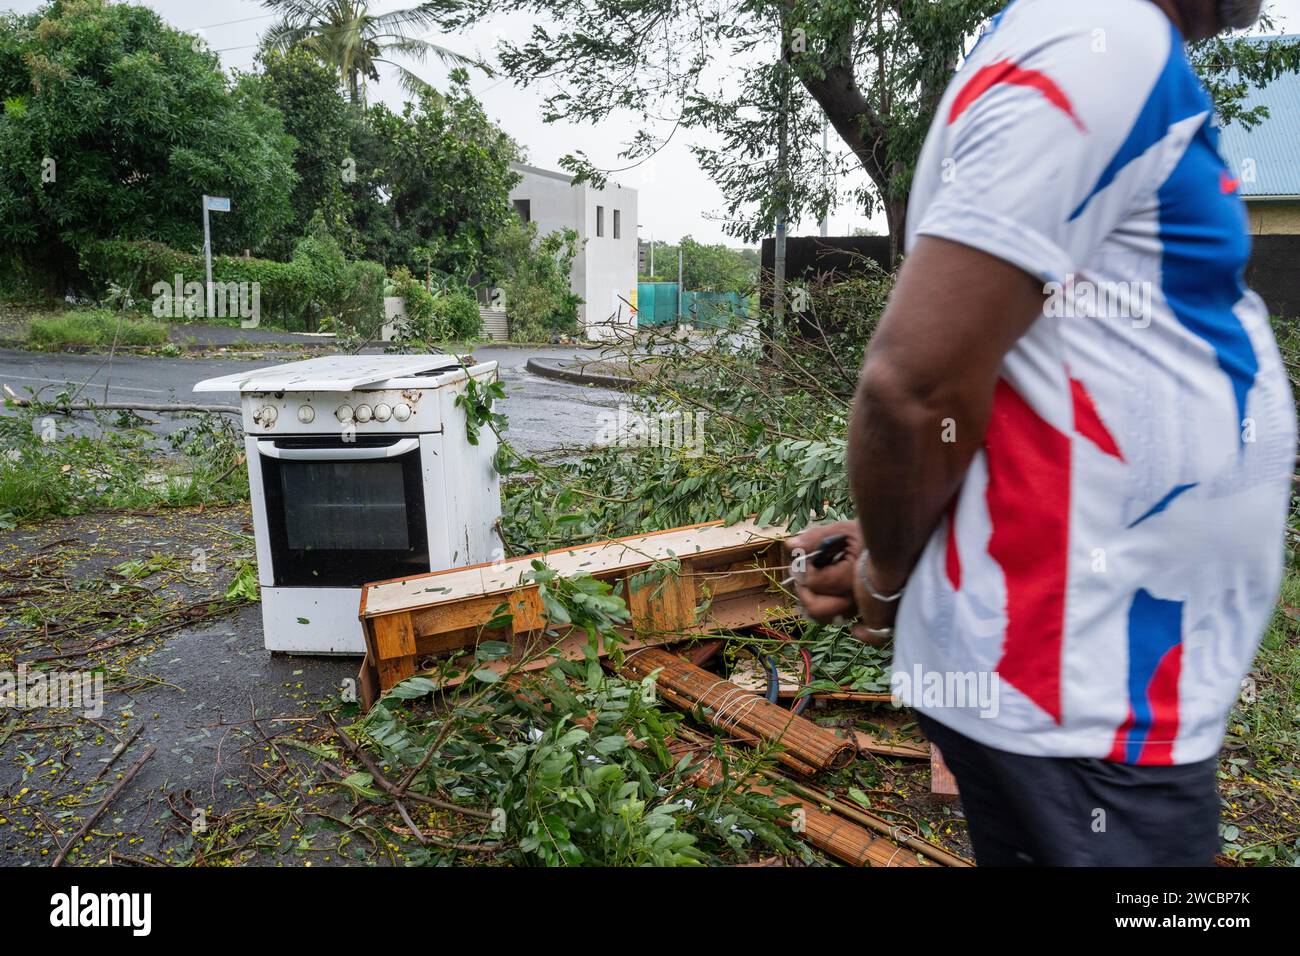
point(618, 231)
point(525, 209)
point(600, 220)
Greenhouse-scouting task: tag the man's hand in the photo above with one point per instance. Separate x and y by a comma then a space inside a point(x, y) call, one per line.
point(825, 593)
point(837, 591)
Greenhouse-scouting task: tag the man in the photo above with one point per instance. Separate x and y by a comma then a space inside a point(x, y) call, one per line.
point(1072, 441)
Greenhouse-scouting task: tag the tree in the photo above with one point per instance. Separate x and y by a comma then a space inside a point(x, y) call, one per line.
point(347, 37)
point(114, 125)
point(444, 171)
point(756, 72)
point(323, 125)
point(533, 275)
point(707, 268)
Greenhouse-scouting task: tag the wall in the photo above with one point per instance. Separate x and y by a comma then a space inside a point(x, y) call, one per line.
point(1274, 272)
point(604, 270)
point(610, 277)
point(1280, 217)
point(808, 256)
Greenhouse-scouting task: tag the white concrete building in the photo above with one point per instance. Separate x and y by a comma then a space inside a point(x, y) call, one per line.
point(604, 269)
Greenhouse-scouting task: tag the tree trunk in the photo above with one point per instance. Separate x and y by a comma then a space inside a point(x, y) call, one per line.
point(896, 217)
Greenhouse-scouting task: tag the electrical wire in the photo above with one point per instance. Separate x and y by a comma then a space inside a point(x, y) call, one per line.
point(773, 680)
point(801, 703)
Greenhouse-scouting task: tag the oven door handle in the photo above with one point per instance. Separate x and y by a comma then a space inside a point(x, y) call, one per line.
point(398, 448)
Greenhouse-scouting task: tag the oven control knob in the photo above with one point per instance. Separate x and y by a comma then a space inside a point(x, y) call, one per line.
point(306, 414)
point(362, 413)
point(402, 412)
point(344, 414)
point(383, 412)
point(265, 415)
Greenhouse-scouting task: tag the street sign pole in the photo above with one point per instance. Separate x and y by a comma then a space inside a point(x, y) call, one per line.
point(215, 204)
point(207, 258)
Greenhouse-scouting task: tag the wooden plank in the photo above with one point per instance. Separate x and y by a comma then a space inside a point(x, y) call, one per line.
point(869, 743)
point(394, 648)
point(632, 553)
point(661, 603)
point(942, 781)
point(368, 683)
point(677, 584)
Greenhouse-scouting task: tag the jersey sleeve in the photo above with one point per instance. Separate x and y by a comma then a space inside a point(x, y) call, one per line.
point(1030, 163)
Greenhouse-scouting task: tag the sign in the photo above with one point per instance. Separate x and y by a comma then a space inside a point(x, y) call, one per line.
point(216, 203)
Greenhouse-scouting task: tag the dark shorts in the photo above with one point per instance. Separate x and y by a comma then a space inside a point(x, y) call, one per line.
point(1055, 811)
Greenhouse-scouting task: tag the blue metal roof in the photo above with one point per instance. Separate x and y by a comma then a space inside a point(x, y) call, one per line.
point(1272, 148)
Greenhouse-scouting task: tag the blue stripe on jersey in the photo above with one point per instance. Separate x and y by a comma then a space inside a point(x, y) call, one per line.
point(1164, 502)
point(1203, 232)
point(1155, 626)
point(1206, 243)
point(1176, 96)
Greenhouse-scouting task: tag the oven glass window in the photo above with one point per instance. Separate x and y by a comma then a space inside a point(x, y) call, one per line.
point(345, 506)
point(336, 522)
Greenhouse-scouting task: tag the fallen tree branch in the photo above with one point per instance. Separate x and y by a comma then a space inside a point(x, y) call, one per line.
point(66, 407)
point(117, 752)
point(99, 811)
point(394, 791)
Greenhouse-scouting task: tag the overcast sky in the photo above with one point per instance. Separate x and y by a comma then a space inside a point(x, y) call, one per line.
point(675, 196)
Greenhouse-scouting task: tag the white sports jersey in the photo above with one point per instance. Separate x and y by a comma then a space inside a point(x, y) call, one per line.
point(1115, 551)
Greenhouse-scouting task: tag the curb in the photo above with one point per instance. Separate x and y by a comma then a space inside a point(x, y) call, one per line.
point(546, 369)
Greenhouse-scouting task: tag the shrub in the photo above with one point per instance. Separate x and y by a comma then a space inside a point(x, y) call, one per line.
point(294, 295)
point(445, 315)
point(49, 468)
point(534, 276)
point(456, 314)
point(96, 327)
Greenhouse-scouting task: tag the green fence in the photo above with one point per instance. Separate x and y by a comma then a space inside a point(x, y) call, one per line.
point(713, 308)
point(656, 303)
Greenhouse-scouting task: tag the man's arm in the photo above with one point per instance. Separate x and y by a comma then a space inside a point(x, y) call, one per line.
point(925, 393)
point(920, 414)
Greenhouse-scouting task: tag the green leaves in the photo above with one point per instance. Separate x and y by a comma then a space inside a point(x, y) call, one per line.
point(84, 75)
point(477, 401)
point(243, 587)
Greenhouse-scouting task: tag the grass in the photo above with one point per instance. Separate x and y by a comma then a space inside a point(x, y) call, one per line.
point(49, 468)
point(95, 328)
point(1259, 776)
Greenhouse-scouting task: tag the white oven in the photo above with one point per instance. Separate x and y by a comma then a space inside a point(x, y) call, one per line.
point(360, 470)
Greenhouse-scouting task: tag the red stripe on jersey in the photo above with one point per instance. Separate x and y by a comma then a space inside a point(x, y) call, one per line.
point(1120, 747)
point(1162, 695)
point(1088, 423)
point(1004, 71)
point(1028, 499)
point(951, 559)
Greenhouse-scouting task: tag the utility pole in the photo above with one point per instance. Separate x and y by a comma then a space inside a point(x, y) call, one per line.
point(826, 217)
point(681, 251)
point(652, 255)
point(782, 203)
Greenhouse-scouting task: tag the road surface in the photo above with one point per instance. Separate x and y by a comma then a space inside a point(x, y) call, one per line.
point(543, 413)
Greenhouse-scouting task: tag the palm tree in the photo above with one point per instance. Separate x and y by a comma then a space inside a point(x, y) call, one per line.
point(345, 35)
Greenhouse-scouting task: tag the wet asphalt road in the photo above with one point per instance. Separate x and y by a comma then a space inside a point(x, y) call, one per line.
point(543, 413)
point(207, 679)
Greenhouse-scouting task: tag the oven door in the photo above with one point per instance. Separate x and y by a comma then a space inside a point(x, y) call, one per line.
point(341, 514)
